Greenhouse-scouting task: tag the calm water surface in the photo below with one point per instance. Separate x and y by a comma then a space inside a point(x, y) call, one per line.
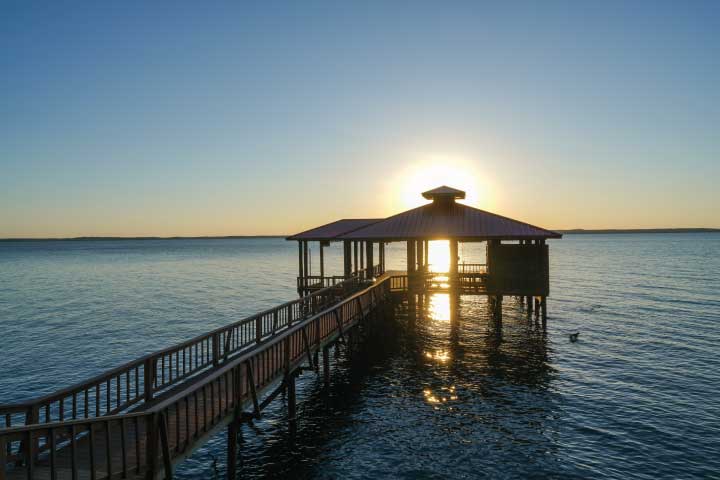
point(445, 393)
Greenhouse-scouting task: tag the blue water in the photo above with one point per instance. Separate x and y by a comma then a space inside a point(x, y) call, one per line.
point(447, 394)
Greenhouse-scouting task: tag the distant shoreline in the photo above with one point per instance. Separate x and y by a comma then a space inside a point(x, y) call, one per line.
point(581, 231)
point(576, 231)
point(84, 239)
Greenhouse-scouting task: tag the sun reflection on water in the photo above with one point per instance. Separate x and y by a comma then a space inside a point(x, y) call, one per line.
point(440, 355)
point(446, 394)
point(439, 308)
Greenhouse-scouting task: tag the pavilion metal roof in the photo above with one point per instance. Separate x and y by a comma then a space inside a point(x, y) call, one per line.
point(456, 220)
point(443, 218)
point(332, 230)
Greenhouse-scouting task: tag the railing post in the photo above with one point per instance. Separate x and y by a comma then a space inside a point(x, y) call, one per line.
point(216, 349)
point(32, 416)
point(148, 378)
point(258, 329)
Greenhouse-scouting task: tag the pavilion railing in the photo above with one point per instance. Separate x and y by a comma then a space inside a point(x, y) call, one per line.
point(472, 268)
point(311, 282)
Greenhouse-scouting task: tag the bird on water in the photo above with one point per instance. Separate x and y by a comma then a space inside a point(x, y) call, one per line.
point(574, 336)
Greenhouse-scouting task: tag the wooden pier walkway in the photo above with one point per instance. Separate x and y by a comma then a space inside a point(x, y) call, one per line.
point(112, 426)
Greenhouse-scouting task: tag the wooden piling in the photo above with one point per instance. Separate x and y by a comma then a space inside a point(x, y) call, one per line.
point(529, 307)
point(291, 399)
point(232, 432)
point(326, 366)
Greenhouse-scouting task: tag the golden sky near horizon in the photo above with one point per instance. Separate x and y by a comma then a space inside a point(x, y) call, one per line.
point(287, 206)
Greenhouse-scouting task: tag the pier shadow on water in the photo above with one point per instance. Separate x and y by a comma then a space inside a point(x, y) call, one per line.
point(437, 389)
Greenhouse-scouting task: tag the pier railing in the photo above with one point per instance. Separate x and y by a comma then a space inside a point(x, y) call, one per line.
point(312, 282)
point(471, 268)
point(141, 380)
point(317, 281)
point(150, 441)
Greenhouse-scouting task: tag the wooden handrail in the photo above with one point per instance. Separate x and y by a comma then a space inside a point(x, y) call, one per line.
point(217, 373)
point(244, 357)
point(128, 374)
point(223, 387)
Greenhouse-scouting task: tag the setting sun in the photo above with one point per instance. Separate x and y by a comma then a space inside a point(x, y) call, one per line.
point(439, 256)
point(437, 170)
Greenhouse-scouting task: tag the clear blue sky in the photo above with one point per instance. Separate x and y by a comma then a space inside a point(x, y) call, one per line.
point(214, 118)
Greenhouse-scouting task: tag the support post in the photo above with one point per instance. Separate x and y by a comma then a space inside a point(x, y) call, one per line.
point(421, 255)
point(355, 257)
point(322, 260)
point(300, 259)
point(382, 256)
point(369, 255)
point(453, 262)
point(306, 261)
point(300, 280)
point(347, 259)
point(362, 256)
point(543, 307)
point(411, 262)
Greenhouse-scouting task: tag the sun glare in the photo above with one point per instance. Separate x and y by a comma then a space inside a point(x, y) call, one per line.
point(439, 256)
point(434, 172)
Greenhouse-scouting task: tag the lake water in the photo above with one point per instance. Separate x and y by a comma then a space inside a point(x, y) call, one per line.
point(444, 395)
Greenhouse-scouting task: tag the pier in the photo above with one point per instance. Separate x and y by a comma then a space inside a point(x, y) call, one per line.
point(143, 418)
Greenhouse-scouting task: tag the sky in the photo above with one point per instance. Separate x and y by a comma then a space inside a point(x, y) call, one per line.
point(239, 118)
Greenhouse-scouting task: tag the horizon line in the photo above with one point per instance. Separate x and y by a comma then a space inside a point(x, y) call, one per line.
point(570, 231)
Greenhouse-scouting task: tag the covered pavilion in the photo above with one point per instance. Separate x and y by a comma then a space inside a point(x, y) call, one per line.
point(516, 255)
